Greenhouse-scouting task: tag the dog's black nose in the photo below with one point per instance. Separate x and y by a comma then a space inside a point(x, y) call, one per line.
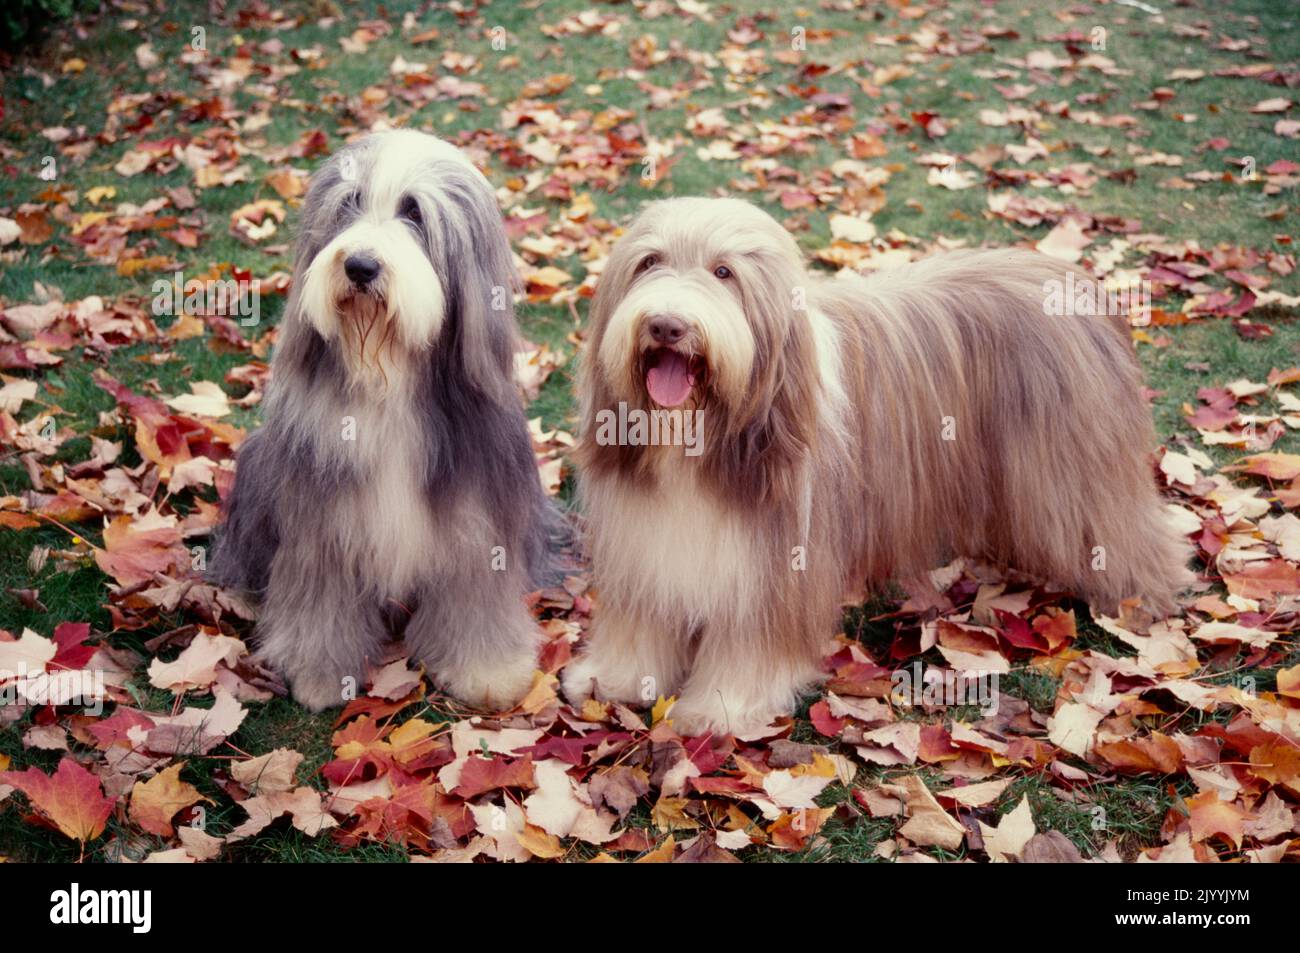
point(361, 269)
point(666, 329)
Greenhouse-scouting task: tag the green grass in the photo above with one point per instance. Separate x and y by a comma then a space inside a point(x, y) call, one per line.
point(312, 99)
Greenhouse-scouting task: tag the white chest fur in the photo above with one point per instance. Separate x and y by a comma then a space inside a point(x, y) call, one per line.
point(673, 550)
point(385, 526)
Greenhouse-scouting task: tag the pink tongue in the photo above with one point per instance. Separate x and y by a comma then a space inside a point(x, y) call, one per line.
point(670, 380)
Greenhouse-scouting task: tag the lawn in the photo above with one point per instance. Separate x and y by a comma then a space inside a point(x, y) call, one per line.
point(1157, 149)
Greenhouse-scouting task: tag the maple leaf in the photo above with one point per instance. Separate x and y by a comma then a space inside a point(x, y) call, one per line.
point(28, 654)
point(1278, 763)
point(618, 787)
point(1213, 817)
point(928, 824)
point(479, 775)
point(135, 549)
point(72, 799)
point(1275, 466)
point(196, 667)
point(1288, 682)
point(275, 771)
point(1015, 830)
point(303, 804)
point(155, 802)
point(1155, 752)
point(1058, 629)
point(563, 808)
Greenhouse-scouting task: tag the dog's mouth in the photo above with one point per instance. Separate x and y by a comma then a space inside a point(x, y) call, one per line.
point(671, 376)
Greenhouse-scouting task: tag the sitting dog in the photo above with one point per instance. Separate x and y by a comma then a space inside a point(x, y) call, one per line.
point(393, 488)
point(848, 429)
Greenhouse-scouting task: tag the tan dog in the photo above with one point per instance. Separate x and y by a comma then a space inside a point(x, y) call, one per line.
point(845, 429)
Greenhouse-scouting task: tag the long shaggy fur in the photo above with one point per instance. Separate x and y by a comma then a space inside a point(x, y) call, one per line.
point(393, 489)
point(826, 402)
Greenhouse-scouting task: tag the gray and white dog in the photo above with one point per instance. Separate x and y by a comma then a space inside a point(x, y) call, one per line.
point(393, 489)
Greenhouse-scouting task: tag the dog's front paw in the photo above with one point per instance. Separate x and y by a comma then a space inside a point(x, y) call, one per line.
point(695, 715)
point(497, 686)
point(317, 690)
point(585, 677)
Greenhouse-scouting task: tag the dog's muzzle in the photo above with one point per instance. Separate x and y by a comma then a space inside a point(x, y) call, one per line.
point(669, 361)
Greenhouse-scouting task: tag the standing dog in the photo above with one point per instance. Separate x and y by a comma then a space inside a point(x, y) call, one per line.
point(393, 488)
point(852, 429)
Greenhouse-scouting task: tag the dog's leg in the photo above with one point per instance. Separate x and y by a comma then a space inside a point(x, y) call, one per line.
point(477, 639)
point(754, 665)
point(627, 659)
point(739, 684)
point(1137, 554)
point(317, 629)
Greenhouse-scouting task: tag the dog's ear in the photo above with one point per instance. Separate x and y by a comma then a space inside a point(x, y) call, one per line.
point(481, 280)
point(331, 199)
point(593, 389)
point(767, 440)
point(246, 541)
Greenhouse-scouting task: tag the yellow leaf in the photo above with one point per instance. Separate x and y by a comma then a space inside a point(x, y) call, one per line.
point(539, 843)
point(409, 732)
point(1288, 683)
point(821, 767)
point(660, 855)
point(88, 219)
point(669, 814)
point(155, 802)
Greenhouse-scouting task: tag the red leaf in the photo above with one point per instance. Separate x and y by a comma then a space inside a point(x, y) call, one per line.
point(72, 799)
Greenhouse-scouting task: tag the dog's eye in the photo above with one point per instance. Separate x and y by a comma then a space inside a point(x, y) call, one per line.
point(353, 202)
point(410, 210)
point(722, 272)
point(646, 263)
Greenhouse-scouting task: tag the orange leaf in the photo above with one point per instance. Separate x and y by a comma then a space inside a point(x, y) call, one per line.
point(539, 843)
point(1263, 580)
point(1277, 763)
point(1156, 753)
point(1212, 817)
point(11, 520)
point(793, 831)
point(1288, 682)
point(72, 799)
point(1275, 466)
point(1057, 629)
point(132, 554)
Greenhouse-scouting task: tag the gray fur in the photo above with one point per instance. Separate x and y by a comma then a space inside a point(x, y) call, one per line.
point(291, 535)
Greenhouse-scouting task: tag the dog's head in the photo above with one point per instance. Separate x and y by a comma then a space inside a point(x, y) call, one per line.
point(401, 247)
point(701, 306)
